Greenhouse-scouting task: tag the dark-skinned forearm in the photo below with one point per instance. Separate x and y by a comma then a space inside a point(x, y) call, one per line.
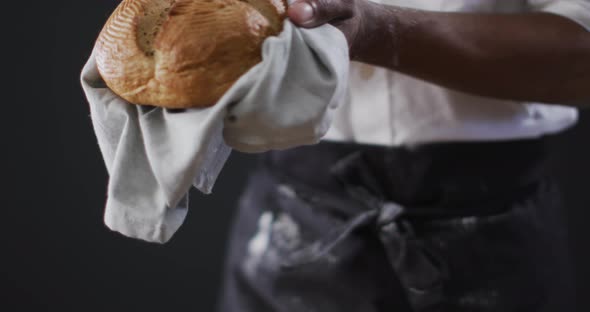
point(529, 57)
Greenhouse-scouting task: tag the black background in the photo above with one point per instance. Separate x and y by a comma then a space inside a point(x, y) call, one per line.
point(56, 254)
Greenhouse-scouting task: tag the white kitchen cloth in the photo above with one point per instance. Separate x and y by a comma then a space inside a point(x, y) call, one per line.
point(154, 155)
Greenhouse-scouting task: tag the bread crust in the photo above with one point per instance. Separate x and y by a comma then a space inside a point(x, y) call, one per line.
point(197, 50)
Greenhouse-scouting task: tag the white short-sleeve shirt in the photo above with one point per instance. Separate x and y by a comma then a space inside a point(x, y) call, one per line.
point(390, 108)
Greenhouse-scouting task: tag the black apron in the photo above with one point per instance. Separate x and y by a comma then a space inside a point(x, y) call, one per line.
point(359, 228)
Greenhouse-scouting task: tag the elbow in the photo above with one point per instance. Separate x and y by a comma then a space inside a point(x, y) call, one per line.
point(571, 83)
point(583, 83)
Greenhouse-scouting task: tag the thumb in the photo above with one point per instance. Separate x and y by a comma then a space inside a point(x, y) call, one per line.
point(313, 13)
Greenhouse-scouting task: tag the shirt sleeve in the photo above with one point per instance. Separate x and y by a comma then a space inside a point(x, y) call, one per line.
point(576, 10)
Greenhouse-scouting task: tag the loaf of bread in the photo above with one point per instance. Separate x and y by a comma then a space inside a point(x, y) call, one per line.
point(183, 53)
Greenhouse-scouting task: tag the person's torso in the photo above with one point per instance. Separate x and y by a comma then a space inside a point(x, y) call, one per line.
point(389, 108)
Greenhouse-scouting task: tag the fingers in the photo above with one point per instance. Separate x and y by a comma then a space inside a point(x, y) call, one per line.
point(313, 13)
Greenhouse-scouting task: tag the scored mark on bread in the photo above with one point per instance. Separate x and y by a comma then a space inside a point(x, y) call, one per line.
point(156, 12)
point(154, 16)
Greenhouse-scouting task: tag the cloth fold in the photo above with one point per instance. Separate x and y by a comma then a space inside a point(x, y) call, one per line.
point(154, 155)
